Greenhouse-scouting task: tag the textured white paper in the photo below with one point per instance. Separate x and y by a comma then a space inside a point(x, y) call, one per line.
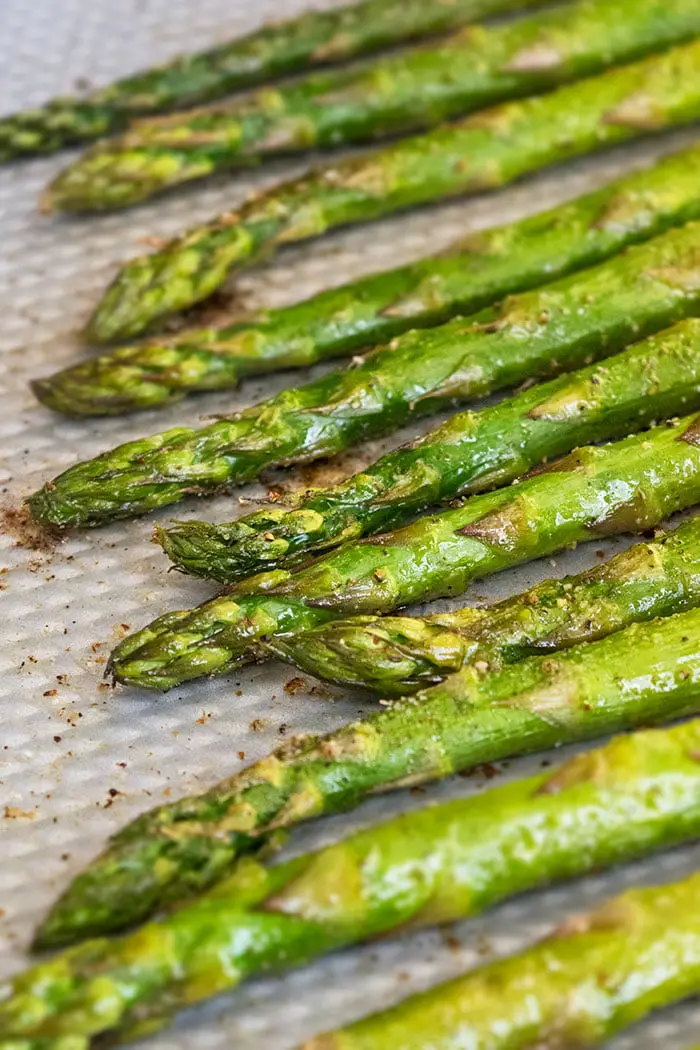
point(78, 759)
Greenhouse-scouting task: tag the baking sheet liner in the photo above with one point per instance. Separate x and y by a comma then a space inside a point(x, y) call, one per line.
point(78, 759)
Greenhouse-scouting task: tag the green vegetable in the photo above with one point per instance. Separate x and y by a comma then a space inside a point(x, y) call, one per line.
point(473, 273)
point(472, 451)
point(314, 38)
point(64, 1042)
point(417, 89)
point(572, 321)
point(402, 653)
point(443, 863)
point(649, 672)
point(482, 152)
point(631, 485)
point(592, 978)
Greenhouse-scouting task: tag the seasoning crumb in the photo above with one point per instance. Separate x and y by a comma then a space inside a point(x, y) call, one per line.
point(294, 686)
point(27, 533)
point(449, 939)
point(112, 792)
point(257, 725)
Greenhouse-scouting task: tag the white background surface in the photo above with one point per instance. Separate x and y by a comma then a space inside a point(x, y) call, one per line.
point(66, 740)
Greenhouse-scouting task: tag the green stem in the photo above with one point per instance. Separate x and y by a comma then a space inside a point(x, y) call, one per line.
point(592, 978)
point(473, 273)
point(471, 452)
point(648, 673)
point(631, 485)
point(407, 92)
point(636, 796)
point(563, 325)
point(315, 38)
point(395, 655)
point(484, 151)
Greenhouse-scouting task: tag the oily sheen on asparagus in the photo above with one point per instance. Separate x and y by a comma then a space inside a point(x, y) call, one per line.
point(648, 673)
point(436, 865)
point(594, 977)
point(484, 151)
point(314, 38)
point(416, 89)
point(627, 486)
point(558, 327)
point(471, 452)
point(399, 654)
point(473, 273)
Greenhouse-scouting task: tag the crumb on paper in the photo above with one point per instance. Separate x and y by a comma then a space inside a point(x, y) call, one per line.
point(112, 794)
point(27, 533)
point(15, 813)
point(487, 770)
point(326, 692)
point(294, 686)
point(450, 940)
point(258, 725)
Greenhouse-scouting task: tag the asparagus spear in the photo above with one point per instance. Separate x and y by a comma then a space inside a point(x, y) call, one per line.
point(474, 272)
point(579, 318)
point(472, 451)
point(396, 655)
point(417, 89)
point(443, 863)
point(64, 1042)
point(315, 38)
point(596, 491)
point(486, 150)
point(593, 977)
point(487, 265)
point(649, 672)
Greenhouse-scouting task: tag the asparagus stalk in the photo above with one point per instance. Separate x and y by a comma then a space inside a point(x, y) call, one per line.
point(397, 655)
point(471, 274)
point(437, 865)
point(64, 1042)
point(472, 451)
point(315, 38)
point(631, 485)
point(574, 320)
point(484, 151)
point(417, 89)
point(593, 977)
point(649, 672)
